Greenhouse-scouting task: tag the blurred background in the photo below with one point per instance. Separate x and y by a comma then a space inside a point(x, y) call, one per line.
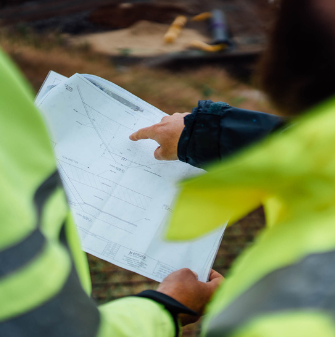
point(169, 53)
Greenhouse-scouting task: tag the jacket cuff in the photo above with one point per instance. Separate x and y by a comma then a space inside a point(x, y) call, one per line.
point(187, 133)
point(215, 131)
point(171, 305)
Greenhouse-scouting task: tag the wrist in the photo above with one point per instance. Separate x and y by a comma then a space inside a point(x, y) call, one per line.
point(171, 305)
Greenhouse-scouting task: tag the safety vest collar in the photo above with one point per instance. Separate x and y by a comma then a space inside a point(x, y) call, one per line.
point(293, 168)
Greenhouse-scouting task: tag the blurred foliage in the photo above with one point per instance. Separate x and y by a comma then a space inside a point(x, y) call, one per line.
point(170, 92)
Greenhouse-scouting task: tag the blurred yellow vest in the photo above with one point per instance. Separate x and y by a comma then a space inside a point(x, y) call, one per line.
point(291, 172)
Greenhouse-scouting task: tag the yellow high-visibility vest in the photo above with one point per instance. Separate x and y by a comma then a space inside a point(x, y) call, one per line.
point(283, 285)
point(44, 278)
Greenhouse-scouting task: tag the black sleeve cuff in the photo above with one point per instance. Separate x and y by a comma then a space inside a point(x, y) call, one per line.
point(215, 131)
point(171, 305)
point(186, 144)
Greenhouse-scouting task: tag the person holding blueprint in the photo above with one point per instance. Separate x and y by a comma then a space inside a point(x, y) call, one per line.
point(44, 279)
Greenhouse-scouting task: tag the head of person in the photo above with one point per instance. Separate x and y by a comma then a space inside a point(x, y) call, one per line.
point(297, 70)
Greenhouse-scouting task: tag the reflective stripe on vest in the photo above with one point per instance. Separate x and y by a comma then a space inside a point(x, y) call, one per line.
point(308, 284)
point(15, 257)
point(70, 313)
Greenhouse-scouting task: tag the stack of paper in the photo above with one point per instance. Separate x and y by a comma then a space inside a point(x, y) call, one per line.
point(120, 195)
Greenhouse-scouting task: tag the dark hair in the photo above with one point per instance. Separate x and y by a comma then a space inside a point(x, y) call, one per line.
point(297, 70)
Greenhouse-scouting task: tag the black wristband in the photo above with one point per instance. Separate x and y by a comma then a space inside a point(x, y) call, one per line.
point(171, 305)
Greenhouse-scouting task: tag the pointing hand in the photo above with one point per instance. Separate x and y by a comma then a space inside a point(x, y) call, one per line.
point(166, 134)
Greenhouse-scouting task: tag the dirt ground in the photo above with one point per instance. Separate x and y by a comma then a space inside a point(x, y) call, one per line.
point(144, 38)
point(136, 28)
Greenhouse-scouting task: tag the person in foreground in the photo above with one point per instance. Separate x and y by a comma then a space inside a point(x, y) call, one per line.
point(44, 278)
point(284, 284)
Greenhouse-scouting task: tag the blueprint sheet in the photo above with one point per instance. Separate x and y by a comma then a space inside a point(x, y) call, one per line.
point(119, 194)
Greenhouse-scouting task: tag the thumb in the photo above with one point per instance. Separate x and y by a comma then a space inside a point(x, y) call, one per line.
point(215, 275)
point(214, 279)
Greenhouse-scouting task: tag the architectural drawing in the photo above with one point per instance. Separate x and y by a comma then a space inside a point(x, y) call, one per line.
point(119, 194)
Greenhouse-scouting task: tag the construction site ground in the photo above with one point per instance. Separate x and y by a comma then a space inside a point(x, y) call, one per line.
point(136, 28)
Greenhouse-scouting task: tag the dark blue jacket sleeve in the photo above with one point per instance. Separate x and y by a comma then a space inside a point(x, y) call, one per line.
point(216, 130)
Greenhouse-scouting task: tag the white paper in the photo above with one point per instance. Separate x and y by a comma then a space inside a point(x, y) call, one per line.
point(52, 80)
point(120, 195)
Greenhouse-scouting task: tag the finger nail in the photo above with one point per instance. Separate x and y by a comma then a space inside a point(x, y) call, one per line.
point(195, 274)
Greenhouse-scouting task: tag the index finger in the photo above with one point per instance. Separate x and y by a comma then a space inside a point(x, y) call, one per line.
point(145, 133)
